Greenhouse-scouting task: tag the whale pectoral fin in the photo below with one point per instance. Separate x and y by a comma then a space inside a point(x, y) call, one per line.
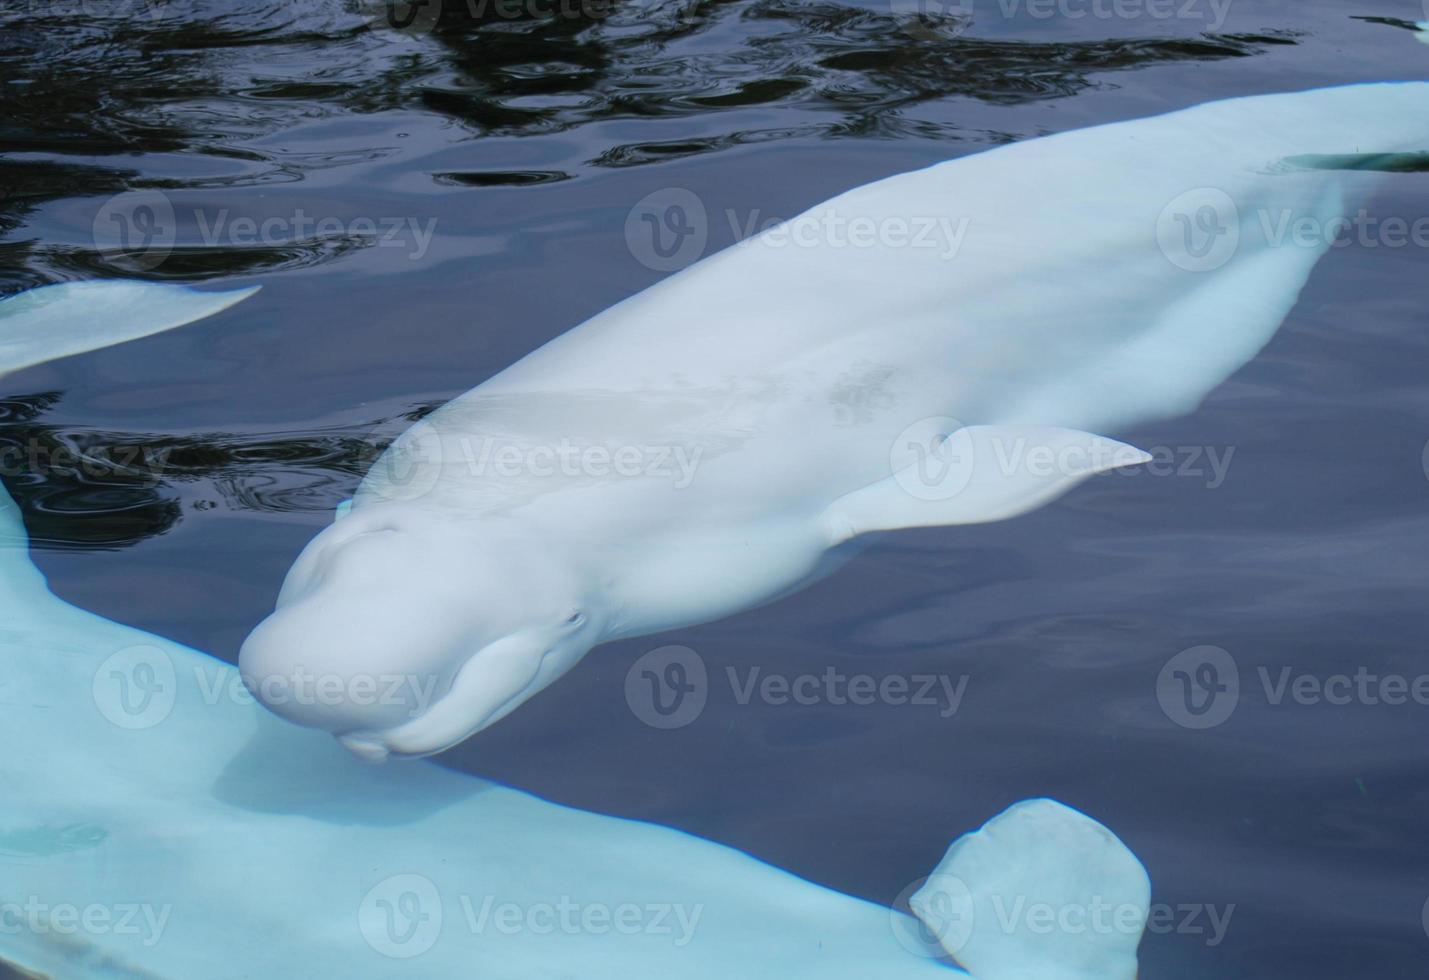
point(1038, 854)
point(70, 318)
point(980, 473)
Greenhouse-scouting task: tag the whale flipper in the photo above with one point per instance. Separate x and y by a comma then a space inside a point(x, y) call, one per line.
point(989, 899)
point(56, 321)
point(978, 474)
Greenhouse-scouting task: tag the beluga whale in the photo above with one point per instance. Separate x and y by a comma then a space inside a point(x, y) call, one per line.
point(731, 433)
point(141, 775)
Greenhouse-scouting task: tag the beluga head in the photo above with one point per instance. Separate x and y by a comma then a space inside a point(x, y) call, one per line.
point(404, 636)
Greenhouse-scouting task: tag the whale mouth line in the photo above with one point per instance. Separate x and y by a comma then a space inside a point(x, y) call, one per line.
point(375, 745)
point(365, 746)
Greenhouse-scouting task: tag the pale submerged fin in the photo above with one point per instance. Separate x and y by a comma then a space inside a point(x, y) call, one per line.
point(991, 898)
point(978, 474)
point(56, 321)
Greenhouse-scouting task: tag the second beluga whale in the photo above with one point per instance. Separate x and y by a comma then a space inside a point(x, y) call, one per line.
point(815, 392)
point(148, 805)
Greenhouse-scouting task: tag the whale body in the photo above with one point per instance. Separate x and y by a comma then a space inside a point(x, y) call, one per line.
point(155, 823)
point(723, 438)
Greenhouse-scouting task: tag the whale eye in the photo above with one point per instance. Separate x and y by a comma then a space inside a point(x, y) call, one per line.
point(576, 618)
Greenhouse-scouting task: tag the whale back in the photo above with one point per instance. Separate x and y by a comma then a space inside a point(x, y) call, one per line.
point(1067, 287)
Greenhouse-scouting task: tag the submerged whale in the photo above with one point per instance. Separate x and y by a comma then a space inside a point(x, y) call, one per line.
point(50, 322)
point(155, 823)
point(720, 439)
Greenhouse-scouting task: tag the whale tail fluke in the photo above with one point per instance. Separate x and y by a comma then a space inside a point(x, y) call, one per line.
point(56, 321)
point(1041, 892)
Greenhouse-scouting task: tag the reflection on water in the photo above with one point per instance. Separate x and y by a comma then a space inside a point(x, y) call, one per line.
point(87, 488)
point(99, 81)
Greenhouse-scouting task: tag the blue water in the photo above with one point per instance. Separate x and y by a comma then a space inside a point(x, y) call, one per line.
point(528, 142)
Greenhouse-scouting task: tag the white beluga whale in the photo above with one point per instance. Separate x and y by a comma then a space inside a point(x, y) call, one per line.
point(50, 322)
point(148, 809)
point(720, 439)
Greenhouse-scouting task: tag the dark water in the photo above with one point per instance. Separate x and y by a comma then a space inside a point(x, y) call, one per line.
point(522, 143)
